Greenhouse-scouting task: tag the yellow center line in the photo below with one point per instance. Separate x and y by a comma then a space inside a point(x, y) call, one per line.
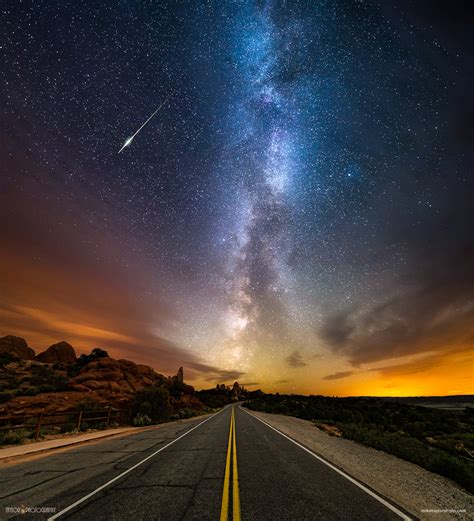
point(225, 491)
point(231, 451)
point(235, 489)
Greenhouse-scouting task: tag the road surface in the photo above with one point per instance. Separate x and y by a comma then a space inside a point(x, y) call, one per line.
point(228, 466)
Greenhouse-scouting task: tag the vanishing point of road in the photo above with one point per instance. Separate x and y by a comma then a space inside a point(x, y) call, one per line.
point(229, 466)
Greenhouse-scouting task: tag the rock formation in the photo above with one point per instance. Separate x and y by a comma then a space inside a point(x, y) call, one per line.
point(236, 389)
point(61, 352)
point(16, 346)
point(56, 380)
point(120, 376)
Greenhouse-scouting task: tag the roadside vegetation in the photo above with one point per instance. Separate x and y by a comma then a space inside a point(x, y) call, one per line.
point(441, 441)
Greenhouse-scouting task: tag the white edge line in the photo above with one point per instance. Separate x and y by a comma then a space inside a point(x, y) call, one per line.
point(339, 471)
point(113, 480)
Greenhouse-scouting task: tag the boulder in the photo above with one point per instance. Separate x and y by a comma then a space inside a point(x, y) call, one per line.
point(17, 346)
point(61, 352)
point(116, 375)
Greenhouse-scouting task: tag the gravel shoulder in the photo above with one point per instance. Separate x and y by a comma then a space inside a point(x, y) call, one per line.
point(424, 494)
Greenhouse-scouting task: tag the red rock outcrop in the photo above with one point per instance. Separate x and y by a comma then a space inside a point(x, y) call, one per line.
point(121, 376)
point(38, 385)
point(17, 346)
point(61, 352)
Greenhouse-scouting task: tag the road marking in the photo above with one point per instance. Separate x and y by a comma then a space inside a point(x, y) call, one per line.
point(231, 457)
point(367, 490)
point(235, 489)
point(105, 485)
point(225, 490)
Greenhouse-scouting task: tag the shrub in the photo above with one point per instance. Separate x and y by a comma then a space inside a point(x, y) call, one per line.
point(153, 402)
point(7, 358)
point(47, 388)
point(97, 352)
point(176, 388)
point(84, 426)
point(186, 412)
point(88, 404)
point(14, 437)
point(6, 395)
point(67, 427)
point(141, 420)
point(28, 391)
point(83, 360)
point(48, 380)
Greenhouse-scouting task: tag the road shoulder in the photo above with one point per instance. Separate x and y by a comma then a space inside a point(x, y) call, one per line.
point(19, 453)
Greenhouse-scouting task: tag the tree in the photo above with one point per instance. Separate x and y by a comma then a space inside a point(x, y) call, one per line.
point(153, 402)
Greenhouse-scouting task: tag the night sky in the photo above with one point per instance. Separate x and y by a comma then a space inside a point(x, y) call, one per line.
point(297, 215)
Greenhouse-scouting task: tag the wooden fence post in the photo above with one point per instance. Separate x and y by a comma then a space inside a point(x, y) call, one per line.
point(38, 425)
point(108, 416)
point(79, 421)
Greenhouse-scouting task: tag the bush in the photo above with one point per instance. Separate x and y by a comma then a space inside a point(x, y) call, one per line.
point(28, 391)
point(97, 352)
point(7, 358)
point(84, 426)
point(15, 437)
point(47, 388)
point(67, 427)
point(88, 404)
point(141, 420)
point(47, 380)
point(6, 395)
point(176, 389)
point(83, 360)
point(186, 412)
point(153, 402)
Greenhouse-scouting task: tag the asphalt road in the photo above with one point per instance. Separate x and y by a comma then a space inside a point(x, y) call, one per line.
point(230, 462)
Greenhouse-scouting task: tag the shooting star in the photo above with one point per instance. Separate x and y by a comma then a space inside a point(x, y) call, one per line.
point(129, 140)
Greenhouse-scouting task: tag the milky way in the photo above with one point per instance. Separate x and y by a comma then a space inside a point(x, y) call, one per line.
point(296, 216)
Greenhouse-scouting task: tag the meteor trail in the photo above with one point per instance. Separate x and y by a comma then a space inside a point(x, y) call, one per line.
point(129, 140)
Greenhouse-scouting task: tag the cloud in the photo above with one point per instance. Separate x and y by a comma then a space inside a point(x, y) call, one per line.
point(435, 315)
point(60, 287)
point(424, 363)
point(211, 373)
point(250, 384)
point(339, 375)
point(295, 360)
point(337, 328)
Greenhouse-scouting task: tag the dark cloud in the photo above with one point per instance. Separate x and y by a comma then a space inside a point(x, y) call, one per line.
point(338, 328)
point(437, 312)
point(295, 360)
point(250, 384)
point(337, 376)
point(211, 373)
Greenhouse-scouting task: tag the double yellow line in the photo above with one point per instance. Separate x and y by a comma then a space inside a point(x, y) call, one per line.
point(231, 456)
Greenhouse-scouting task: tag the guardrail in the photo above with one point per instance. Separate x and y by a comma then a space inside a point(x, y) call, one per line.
point(77, 418)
